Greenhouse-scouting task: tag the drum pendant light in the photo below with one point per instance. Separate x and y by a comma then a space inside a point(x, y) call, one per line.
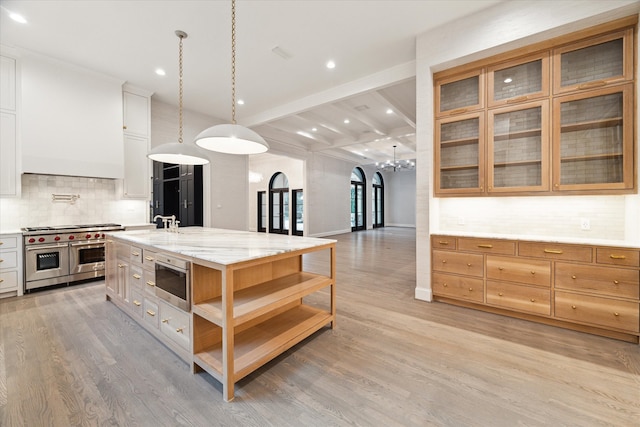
point(232, 138)
point(178, 152)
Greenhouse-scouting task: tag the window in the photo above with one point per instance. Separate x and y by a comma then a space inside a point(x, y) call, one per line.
point(279, 204)
point(262, 211)
point(358, 217)
point(298, 208)
point(377, 199)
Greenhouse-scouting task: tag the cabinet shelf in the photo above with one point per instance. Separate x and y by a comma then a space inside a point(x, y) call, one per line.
point(257, 300)
point(457, 168)
point(261, 343)
point(595, 124)
point(459, 142)
point(591, 157)
point(517, 163)
point(515, 135)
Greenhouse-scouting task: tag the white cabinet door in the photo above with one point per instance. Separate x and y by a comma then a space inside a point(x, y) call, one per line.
point(8, 145)
point(136, 114)
point(7, 83)
point(136, 168)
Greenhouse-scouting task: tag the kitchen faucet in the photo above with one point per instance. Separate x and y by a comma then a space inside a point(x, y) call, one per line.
point(173, 224)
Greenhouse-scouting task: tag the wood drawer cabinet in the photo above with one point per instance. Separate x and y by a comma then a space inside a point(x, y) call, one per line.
point(175, 324)
point(11, 267)
point(588, 288)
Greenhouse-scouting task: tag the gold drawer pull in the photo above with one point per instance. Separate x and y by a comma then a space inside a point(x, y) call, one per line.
point(616, 282)
point(135, 253)
point(458, 111)
point(120, 265)
point(444, 285)
point(150, 283)
point(468, 264)
point(485, 246)
point(573, 306)
point(179, 330)
point(533, 272)
point(136, 276)
point(518, 99)
point(590, 85)
point(137, 303)
point(616, 314)
point(165, 320)
point(1, 280)
point(499, 294)
point(1, 260)
point(470, 289)
point(552, 251)
point(573, 277)
point(533, 300)
point(149, 258)
point(443, 242)
point(151, 312)
point(444, 261)
point(500, 268)
point(612, 256)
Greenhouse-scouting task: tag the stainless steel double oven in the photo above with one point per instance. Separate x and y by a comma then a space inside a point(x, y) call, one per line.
point(64, 254)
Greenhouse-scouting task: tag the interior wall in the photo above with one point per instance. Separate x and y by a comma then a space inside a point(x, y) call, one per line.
point(400, 198)
point(507, 26)
point(261, 168)
point(225, 177)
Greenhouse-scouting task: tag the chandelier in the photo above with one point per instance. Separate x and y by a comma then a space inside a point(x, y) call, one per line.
point(396, 165)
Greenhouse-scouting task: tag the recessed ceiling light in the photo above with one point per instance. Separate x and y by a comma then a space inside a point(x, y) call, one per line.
point(305, 134)
point(240, 102)
point(331, 65)
point(161, 72)
point(17, 17)
point(508, 80)
point(314, 129)
point(346, 121)
point(389, 111)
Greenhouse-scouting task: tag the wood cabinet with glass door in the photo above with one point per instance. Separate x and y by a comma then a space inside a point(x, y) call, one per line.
point(460, 94)
point(519, 80)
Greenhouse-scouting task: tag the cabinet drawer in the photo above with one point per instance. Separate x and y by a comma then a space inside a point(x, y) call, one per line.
point(150, 282)
point(148, 259)
point(8, 259)
point(458, 287)
point(443, 242)
point(459, 263)
point(123, 250)
point(150, 313)
point(599, 311)
point(137, 302)
point(136, 277)
point(175, 324)
point(520, 298)
point(555, 251)
point(502, 247)
point(617, 282)
point(135, 255)
point(8, 280)
point(8, 242)
point(627, 257)
point(528, 271)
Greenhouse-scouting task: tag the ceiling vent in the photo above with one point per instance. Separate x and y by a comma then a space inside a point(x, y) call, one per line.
point(361, 107)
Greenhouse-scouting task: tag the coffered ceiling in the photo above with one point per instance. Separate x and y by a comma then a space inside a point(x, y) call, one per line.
point(282, 49)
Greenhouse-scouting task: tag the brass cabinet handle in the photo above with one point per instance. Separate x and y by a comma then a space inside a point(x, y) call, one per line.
point(1, 260)
point(533, 272)
point(150, 283)
point(468, 264)
point(485, 246)
point(573, 306)
point(500, 268)
point(590, 85)
point(137, 303)
point(151, 312)
point(179, 330)
point(165, 320)
point(149, 258)
point(616, 314)
point(136, 276)
point(1, 280)
point(443, 242)
point(120, 265)
point(533, 300)
point(444, 261)
point(1, 243)
point(444, 285)
point(519, 99)
point(499, 294)
point(573, 277)
point(616, 282)
point(135, 253)
point(552, 251)
point(612, 256)
point(470, 289)
point(458, 111)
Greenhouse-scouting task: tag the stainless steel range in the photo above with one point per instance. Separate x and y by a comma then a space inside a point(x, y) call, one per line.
point(64, 254)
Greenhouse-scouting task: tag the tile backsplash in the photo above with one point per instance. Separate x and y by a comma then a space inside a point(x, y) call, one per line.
point(99, 202)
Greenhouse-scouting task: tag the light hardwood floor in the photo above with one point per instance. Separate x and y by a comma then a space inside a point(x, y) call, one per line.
point(68, 357)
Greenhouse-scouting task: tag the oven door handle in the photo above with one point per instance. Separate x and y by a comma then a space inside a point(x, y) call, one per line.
point(39, 248)
point(97, 244)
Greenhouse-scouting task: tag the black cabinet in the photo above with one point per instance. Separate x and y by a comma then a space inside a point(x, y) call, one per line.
point(177, 190)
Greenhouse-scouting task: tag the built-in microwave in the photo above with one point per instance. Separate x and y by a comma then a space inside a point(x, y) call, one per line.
point(173, 281)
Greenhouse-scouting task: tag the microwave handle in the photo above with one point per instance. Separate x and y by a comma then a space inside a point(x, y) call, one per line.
point(38, 248)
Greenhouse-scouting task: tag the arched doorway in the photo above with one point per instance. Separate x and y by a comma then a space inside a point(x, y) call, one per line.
point(358, 200)
point(279, 204)
point(377, 200)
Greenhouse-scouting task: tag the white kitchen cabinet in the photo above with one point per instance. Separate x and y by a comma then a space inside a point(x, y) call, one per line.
point(136, 132)
point(10, 265)
point(9, 115)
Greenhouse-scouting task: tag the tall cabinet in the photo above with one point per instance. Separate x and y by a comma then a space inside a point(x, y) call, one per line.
point(9, 126)
point(136, 127)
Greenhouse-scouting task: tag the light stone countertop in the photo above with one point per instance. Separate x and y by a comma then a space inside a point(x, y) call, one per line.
point(543, 239)
point(218, 245)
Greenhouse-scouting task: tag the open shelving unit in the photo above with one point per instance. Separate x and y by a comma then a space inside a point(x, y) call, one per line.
point(248, 313)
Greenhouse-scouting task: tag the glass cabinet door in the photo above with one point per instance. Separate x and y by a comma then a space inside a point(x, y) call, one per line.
point(459, 155)
point(518, 148)
point(460, 94)
point(594, 63)
point(593, 137)
point(518, 81)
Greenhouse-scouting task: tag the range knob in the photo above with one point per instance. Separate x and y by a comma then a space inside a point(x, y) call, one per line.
point(88, 236)
point(41, 239)
point(72, 237)
point(31, 240)
point(97, 235)
point(102, 235)
point(56, 238)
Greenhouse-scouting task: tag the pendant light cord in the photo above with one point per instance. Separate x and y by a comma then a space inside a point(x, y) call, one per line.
point(233, 62)
point(181, 36)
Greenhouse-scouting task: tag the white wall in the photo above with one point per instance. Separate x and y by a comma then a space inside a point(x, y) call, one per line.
point(507, 26)
point(225, 177)
point(261, 168)
point(400, 198)
point(71, 120)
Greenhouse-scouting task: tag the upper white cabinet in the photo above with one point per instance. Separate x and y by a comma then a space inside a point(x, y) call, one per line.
point(9, 116)
point(136, 123)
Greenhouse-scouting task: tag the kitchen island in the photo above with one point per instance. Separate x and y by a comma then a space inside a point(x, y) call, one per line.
point(249, 294)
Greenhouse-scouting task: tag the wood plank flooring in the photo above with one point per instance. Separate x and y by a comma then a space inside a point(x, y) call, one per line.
point(70, 358)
